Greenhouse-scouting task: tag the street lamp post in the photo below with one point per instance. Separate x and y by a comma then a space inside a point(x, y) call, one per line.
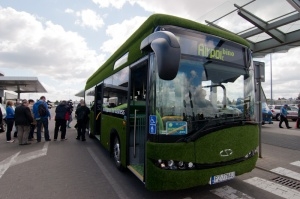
point(271, 78)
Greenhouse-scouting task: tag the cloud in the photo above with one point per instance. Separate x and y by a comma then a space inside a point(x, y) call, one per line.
point(191, 9)
point(106, 3)
point(68, 10)
point(89, 18)
point(285, 75)
point(46, 49)
point(117, 36)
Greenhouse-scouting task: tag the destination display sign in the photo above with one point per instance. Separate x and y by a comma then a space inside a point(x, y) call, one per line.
point(212, 48)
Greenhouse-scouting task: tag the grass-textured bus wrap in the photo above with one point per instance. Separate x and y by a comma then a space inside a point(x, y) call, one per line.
point(205, 150)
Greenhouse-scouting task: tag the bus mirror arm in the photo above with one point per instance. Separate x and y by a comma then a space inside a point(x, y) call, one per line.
point(167, 50)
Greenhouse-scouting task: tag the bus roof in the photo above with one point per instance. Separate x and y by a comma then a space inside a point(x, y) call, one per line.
point(132, 45)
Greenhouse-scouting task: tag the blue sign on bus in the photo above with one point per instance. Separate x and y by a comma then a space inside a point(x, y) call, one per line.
point(152, 124)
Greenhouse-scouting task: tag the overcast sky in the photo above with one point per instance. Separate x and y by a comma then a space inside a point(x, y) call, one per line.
point(64, 42)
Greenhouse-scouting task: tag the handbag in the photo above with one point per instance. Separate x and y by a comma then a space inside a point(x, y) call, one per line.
point(67, 116)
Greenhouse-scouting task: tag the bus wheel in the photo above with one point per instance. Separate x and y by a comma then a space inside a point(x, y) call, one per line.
point(90, 133)
point(117, 153)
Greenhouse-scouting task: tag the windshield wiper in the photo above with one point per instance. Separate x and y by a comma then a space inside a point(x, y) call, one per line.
point(197, 134)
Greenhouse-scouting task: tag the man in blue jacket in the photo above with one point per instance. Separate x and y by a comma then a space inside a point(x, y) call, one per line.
point(42, 118)
point(283, 116)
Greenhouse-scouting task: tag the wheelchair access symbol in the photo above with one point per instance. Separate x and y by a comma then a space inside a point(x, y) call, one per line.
point(152, 124)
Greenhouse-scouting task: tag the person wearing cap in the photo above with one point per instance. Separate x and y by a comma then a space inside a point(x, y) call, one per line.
point(60, 120)
point(283, 117)
point(23, 119)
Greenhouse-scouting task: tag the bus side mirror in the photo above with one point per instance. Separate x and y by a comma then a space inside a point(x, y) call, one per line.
point(167, 50)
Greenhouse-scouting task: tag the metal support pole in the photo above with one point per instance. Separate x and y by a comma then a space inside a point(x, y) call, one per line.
point(259, 118)
point(271, 79)
point(259, 77)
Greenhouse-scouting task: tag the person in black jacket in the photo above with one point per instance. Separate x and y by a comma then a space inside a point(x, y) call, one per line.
point(82, 115)
point(61, 112)
point(23, 119)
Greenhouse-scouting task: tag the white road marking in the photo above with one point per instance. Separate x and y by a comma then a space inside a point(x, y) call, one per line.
point(287, 172)
point(119, 191)
point(5, 164)
point(32, 155)
point(297, 163)
point(274, 188)
point(18, 159)
point(228, 192)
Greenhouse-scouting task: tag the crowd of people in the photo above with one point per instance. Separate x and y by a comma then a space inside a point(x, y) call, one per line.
point(30, 116)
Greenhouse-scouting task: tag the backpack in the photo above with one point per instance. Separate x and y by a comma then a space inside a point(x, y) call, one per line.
point(42, 110)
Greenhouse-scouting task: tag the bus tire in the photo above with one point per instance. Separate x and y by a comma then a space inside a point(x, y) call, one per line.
point(91, 135)
point(117, 153)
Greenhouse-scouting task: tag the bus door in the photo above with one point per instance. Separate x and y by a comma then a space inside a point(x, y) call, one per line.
point(138, 113)
point(98, 109)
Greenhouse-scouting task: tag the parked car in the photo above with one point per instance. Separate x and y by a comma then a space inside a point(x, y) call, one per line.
point(266, 114)
point(3, 124)
point(292, 112)
point(294, 105)
point(275, 109)
point(3, 111)
point(49, 104)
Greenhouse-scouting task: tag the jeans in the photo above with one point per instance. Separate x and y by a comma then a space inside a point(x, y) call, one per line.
point(32, 127)
point(9, 126)
point(81, 128)
point(44, 122)
point(60, 124)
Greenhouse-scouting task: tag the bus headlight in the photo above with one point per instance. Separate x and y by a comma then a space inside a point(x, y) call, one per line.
point(170, 163)
point(173, 165)
point(190, 165)
point(181, 165)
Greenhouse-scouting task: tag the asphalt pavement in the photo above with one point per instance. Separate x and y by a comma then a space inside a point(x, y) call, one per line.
point(55, 169)
point(286, 139)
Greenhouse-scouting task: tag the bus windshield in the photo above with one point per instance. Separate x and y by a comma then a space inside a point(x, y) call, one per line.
point(204, 95)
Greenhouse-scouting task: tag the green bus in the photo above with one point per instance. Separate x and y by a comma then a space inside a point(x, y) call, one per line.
point(175, 104)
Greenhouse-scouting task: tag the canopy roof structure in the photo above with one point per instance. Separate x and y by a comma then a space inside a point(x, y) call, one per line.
point(269, 26)
point(80, 94)
point(21, 84)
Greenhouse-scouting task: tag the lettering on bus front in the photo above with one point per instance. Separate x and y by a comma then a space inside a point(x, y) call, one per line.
point(211, 47)
point(212, 53)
